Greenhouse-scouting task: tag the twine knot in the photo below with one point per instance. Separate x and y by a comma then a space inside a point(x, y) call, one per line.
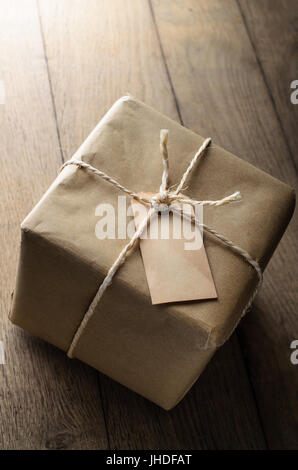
point(161, 202)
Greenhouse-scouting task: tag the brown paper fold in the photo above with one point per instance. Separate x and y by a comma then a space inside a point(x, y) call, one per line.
point(156, 350)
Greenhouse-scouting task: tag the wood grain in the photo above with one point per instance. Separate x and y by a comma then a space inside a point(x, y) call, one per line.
point(207, 64)
point(46, 401)
point(90, 67)
point(221, 92)
point(98, 52)
point(272, 29)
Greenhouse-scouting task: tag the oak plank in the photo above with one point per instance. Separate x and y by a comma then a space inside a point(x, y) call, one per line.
point(46, 401)
point(272, 28)
point(98, 51)
point(221, 92)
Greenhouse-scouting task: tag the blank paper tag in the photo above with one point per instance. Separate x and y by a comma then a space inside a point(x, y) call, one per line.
point(174, 274)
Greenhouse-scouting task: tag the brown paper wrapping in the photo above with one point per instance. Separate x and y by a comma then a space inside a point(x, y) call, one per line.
point(156, 350)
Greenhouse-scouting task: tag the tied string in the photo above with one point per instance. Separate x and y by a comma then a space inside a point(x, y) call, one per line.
point(161, 202)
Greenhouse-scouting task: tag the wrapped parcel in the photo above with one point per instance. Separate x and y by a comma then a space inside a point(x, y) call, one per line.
point(158, 351)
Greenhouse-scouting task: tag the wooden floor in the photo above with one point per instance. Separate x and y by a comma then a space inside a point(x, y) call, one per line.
point(222, 68)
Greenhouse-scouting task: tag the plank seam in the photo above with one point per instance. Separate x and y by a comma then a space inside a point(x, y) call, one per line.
point(267, 85)
point(103, 409)
point(254, 395)
point(50, 80)
point(165, 62)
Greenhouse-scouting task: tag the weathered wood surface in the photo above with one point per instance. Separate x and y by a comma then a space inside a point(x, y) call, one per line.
point(46, 401)
point(63, 64)
point(207, 47)
point(272, 28)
